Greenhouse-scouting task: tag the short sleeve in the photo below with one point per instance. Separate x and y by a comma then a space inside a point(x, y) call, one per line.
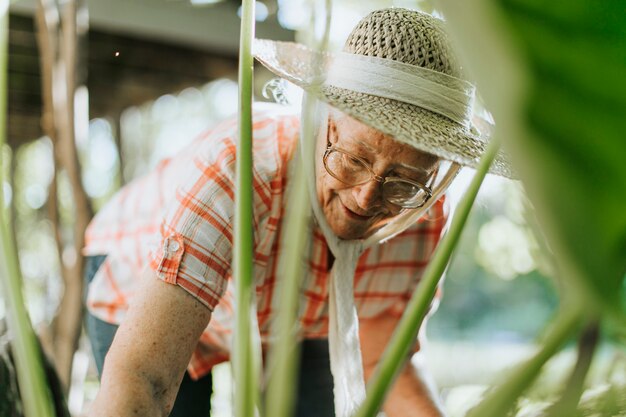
point(196, 232)
point(197, 229)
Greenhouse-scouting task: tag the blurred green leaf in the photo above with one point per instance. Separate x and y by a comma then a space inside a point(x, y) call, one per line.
point(564, 128)
point(552, 73)
point(576, 54)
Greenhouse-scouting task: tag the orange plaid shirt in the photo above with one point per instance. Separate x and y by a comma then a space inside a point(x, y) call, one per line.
point(179, 220)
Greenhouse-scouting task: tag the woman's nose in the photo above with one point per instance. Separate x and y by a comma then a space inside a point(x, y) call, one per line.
point(369, 196)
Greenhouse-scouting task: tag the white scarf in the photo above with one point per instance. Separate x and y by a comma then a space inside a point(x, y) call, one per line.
point(343, 333)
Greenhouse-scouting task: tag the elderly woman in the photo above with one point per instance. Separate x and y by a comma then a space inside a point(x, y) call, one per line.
point(393, 127)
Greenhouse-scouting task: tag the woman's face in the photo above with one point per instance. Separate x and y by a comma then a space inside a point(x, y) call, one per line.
point(355, 212)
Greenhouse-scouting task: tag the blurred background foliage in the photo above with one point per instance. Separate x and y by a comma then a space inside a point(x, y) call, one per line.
point(497, 286)
point(498, 291)
point(150, 133)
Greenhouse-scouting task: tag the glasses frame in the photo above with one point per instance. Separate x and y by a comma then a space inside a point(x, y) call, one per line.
point(383, 180)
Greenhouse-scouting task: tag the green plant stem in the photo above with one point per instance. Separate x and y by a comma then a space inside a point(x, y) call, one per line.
point(34, 391)
point(587, 345)
point(284, 353)
point(4, 54)
point(502, 398)
point(397, 350)
point(244, 364)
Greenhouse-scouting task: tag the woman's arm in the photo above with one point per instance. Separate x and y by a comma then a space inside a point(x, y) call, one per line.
point(147, 360)
point(410, 395)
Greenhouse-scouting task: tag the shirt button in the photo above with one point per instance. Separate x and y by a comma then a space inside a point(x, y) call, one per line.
point(173, 246)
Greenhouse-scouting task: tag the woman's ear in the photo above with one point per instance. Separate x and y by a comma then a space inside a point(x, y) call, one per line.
point(331, 134)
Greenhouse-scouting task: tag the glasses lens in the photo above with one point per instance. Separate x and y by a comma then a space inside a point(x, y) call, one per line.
point(405, 194)
point(346, 168)
point(352, 171)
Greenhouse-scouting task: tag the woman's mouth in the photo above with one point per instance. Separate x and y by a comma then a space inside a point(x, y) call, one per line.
point(352, 215)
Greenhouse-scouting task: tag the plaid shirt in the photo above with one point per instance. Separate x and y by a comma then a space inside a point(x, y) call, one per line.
point(179, 220)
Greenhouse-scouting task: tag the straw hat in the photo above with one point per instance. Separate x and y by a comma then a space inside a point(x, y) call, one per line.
point(405, 36)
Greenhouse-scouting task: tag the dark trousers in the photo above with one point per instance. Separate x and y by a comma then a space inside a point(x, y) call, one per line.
point(315, 385)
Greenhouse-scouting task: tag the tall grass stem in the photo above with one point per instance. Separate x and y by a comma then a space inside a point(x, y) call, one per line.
point(284, 350)
point(244, 363)
point(396, 353)
point(284, 354)
point(34, 390)
point(504, 396)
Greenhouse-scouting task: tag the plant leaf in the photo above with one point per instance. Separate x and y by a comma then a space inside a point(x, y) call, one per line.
point(552, 73)
point(563, 125)
point(576, 57)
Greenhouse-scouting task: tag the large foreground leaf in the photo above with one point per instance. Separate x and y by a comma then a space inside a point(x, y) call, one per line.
point(572, 157)
point(553, 74)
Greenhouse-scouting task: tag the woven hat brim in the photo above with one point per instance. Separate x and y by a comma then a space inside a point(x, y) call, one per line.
point(410, 124)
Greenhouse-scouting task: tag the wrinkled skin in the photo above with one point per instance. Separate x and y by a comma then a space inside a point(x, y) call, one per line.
point(355, 212)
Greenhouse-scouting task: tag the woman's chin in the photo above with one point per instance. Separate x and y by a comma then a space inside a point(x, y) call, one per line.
point(354, 233)
point(364, 232)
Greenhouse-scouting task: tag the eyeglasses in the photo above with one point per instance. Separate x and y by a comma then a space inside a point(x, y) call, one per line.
point(353, 170)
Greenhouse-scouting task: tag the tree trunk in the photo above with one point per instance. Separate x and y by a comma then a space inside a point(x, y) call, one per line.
point(57, 36)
